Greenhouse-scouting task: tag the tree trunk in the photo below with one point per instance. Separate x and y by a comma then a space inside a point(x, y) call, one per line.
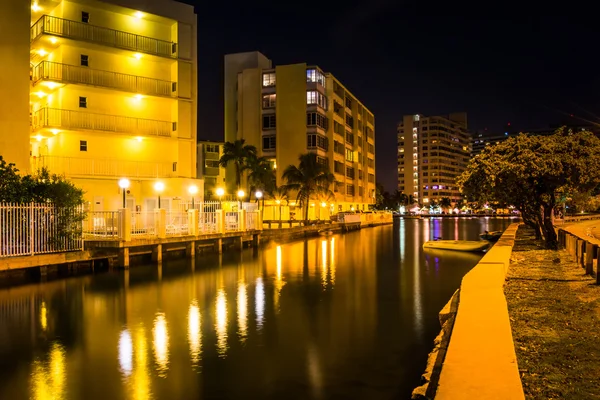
point(548, 228)
point(306, 214)
point(238, 177)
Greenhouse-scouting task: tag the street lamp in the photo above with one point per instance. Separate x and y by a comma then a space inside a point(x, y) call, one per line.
point(220, 192)
point(159, 187)
point(193, 189)
point(124, 184)
point(258, 194)
point(240, 195)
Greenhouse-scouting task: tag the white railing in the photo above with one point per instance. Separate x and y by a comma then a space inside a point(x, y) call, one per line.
point(177, 223)
point(29, 229)
point(102, 224)
point(143, 224)
point(232, 221)
point(208, 222)
point(251, 220)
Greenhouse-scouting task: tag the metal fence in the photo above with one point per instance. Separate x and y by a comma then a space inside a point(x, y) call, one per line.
point(143, 223)
point(29, 229)
point(252, 220)
point(102, 224)
point(207, 222)
point(177, 223)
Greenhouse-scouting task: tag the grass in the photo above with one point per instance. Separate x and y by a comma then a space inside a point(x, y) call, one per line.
point(554, 311)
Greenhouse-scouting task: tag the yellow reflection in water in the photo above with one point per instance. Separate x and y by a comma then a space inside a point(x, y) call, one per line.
point(139, 385)
point(43, 316)
point(259, 299)
point(242, 311)
point(279, 283)
point(48, 378)
point(221, 323)
point(332, 261)
point(324, 263)
point(195, 331)
point(125, 353)
point(161, 344)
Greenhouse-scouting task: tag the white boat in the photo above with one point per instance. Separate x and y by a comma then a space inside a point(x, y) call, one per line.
point(457, 245)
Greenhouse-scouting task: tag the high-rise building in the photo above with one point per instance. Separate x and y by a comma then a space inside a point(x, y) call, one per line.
point(101, 90)
point(209, 154)
point(288, 110)
point(432, 153)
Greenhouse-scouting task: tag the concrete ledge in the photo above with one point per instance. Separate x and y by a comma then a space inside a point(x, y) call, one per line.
point(12, 263)
point(480, 361)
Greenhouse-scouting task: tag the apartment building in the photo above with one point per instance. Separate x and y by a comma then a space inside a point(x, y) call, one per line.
point(209, 154)
point(432, 153)
point(288, 110)
point(112, 94)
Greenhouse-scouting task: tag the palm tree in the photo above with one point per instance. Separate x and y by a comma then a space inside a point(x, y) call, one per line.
point(445, 203)
point(237, 153)
point(308, 179)
point(261, 174)
point(279, 194)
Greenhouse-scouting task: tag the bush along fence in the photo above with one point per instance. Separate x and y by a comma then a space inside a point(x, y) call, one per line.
point(30, 229)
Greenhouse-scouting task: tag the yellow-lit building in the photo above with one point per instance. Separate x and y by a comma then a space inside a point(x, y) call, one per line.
point(288, 110)
point(112, 94)
point(213, 176)
point(432, 153)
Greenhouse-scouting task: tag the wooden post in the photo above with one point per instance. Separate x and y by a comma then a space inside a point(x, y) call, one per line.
point(581, 252)
point(255, 240)
point(190, 249)
point(590, 253)
point(219, 246)
point(157, 253)
point(598, 267)
point(124, 257)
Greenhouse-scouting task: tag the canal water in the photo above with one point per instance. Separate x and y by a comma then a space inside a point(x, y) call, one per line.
point(340, 317)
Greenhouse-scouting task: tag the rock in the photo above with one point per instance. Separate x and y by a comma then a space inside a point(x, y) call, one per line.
point(556, 261)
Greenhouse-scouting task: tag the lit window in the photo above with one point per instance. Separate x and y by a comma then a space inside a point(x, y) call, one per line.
point(269, 79)
point(315, 97)
point(315, 76)
point(211, 163)
point(349, 155)
point(269, 100)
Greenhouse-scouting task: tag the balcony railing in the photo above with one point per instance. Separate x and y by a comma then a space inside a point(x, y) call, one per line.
point(106, 36)
point(67, 119)
point(75, 166)
point(95, 77)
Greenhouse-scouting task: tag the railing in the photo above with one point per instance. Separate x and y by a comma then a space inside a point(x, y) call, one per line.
point(207, 222)
point(177, 223)
point(232, 221)
point(143, 223)
point(29, 229)
point(95, 77)
point(68, 119)
point(106, 36)
point(74, 166)
point(102, 224)
point(252, 220)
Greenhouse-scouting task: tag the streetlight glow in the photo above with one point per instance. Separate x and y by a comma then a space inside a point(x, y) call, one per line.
point(193, 189)
point(220, 192)
point(124, 184)
point(159, 187)
point(241, 193)
point(258, 194)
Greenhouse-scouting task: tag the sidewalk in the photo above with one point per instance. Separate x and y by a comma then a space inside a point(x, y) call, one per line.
point(554, 310)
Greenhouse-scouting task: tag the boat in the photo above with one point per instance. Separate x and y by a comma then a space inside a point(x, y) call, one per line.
point(491, 236)
point(325, 232)
point(457, 245)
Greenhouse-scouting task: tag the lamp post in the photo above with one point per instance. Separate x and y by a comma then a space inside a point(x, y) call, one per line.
point(159, 187)
point(193, 189)
point(220, 192)
point(124, 184)
point(258, 194)
point(240, 195)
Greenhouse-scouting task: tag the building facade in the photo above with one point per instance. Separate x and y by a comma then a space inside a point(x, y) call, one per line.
point(112, 94)
point(289, 110)
point(209, 154)
point(432, 153)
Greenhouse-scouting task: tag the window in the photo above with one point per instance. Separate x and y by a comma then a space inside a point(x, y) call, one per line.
point(175, 166)
point(370, 163)
point(348, 102)
point(269, 121)
point(315, 97)
point(349, 121)
point(371, 148)
point(349, 138)
point(338, 167)
point(84, 60)
point(316, 119)
point(350, 190)
point(269, 143)
point(83, 145)
point(337, 108)
point(349, 155)
point(338, 147)
point(316, 141)
point(211, 163)
point(82, 102)
point(85, 17)
point(350, 172)
point(360, 193)
point(371, 178)
point(268, 100)
point(173, 86)
point(269, 79)
point(322, 160)
point(314, 75)
point(338, 128)
point(360, 174)
point(211, 148)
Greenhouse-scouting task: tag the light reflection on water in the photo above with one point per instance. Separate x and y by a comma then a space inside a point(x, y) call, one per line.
point(349, 316)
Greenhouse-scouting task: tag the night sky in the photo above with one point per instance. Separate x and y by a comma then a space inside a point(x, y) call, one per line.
point(404, 57)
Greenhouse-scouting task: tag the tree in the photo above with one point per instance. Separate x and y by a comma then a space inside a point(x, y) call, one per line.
point(279, 194)
point(261, 175)
point(237, 153)
point(11, 189)
point(532, 172)
point(309, 179)
point(445, 203)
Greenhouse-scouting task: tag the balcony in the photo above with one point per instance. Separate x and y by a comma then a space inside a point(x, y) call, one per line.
point(83, 167)
point(76, 120)
point(64, 73)
point(105, 36)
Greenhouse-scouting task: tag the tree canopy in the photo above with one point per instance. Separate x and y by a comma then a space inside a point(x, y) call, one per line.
point(533, 173)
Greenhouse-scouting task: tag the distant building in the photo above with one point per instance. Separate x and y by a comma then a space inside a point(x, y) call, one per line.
point(102, 90)
point(289, 110)
point(209, 154)
point(432, 153)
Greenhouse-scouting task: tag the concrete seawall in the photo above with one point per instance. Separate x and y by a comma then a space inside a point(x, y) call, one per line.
point(477, 359)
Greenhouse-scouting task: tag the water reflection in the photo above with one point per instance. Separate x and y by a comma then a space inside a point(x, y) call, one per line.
point(139, 385)
point(194, 332)
point(242, 311)
point(259, 305)
point(43, 316)
point(324, 263)
point(279, 282)
point(161, 344)
point(332, 262)
point(125, 353)
point(48, 378)
point(221, 322)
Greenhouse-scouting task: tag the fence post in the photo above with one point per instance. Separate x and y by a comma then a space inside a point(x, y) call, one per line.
point(242, 220)
point(259, 220)
point(193, 222)
point(31, 229)
point(590, 253)
point(125, 228)
point(161, 223)
point(220, 221)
